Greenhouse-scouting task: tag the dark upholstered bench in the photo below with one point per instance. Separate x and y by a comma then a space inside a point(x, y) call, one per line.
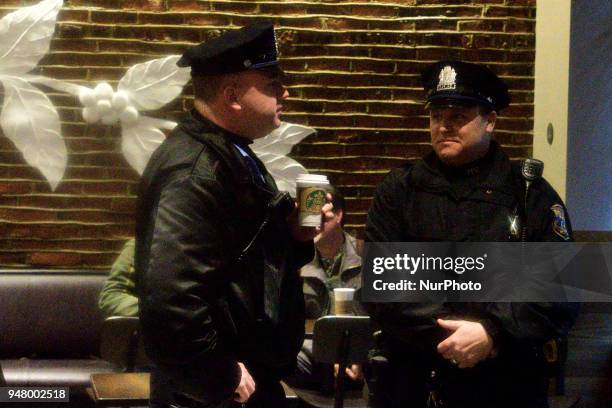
point(50, 328)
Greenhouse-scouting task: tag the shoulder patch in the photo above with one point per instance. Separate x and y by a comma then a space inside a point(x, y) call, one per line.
point(559, 225)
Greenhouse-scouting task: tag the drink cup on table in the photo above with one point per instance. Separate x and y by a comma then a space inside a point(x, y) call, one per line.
point(343, 301)
point(311, 192)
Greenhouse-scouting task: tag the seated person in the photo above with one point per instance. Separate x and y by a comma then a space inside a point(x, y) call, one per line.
point(118, 295)
point(336, 264)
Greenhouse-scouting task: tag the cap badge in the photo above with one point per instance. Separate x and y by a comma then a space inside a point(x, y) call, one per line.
point(447, 79)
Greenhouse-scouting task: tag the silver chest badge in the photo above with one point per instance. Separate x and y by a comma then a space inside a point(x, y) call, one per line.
point(514, 222)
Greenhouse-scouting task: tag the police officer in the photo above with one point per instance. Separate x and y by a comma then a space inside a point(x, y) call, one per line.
point(456, 354)
point(217, 259)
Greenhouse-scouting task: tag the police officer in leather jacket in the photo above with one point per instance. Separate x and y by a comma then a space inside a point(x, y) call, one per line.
point(456, 354)
point(217, 258)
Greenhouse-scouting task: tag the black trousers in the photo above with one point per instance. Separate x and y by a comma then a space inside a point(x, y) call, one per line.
point(504, 382)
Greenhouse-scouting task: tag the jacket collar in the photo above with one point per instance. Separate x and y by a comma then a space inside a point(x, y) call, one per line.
point(195, 124)
point(350, 260)
point(207, 132)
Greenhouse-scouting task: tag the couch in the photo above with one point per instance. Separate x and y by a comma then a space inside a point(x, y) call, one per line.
point(50, 328)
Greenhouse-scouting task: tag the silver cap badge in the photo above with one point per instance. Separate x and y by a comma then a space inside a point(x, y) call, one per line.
point(447, 79)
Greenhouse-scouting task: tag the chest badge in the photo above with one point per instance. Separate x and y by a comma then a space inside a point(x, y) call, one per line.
point(515, 227)
point(559, 224)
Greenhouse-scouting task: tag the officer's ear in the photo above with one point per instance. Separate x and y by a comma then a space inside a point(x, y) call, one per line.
point(231, 92)
point(491, 117)
point(231, 97)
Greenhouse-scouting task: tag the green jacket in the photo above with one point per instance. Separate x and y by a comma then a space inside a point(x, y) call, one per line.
point(118, 296)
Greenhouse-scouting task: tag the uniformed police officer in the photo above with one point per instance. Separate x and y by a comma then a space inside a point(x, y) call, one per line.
point(221, 303)
point(455, 354)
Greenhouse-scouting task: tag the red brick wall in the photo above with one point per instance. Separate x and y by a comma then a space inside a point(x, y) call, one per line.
point(353, 74)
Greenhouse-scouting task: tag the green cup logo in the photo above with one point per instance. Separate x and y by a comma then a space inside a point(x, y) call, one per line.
point(315, 200)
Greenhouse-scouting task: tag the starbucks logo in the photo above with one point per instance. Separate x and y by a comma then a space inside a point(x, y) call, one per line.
point(315, 200)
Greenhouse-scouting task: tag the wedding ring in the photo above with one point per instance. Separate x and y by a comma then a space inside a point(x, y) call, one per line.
point(454, 361)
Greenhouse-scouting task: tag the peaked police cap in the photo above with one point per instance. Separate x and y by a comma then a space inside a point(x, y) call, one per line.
point(250, 47)
point(449, 83)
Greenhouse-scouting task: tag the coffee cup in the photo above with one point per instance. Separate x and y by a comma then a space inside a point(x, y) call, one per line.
point(311, 192)
point(343, 301)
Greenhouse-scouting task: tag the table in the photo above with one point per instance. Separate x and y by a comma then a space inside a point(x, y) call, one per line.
point(124, 389)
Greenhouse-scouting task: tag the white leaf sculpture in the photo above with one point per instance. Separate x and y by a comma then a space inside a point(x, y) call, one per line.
point(145, 86)
point(282, 140)
point(273, 148)
point(26, 36)
point(30, 121)
point(284, 170)
point(56, 84)
point(153, 84)
point(138, 142)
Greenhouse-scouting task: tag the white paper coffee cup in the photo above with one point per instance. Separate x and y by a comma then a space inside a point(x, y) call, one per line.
point(311, 192)
point(343, 301)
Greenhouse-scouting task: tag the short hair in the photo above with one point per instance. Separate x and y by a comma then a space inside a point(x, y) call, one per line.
point(337, 201)
point(207, 87)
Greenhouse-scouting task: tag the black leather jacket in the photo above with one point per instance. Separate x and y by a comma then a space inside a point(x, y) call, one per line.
point(201, 203)
point(425, 201)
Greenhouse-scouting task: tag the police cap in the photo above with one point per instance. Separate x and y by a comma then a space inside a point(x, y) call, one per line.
point(451, 83)
point(251, 47)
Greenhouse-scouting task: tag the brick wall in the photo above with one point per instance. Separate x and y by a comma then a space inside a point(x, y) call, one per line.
point(353, 75)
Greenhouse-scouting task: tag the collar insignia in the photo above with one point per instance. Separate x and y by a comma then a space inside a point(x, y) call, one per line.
point(447, 79)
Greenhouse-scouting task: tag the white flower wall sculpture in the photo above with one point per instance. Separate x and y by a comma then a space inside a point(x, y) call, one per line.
point(273, 150)
point(28, 117)
point(145, 86)
point(32, 123)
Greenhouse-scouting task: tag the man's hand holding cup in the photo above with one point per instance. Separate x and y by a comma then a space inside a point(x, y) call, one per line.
point(313, 208)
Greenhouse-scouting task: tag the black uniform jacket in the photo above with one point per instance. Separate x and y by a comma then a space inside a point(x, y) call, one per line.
point(201, 203)
point(427, 201)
